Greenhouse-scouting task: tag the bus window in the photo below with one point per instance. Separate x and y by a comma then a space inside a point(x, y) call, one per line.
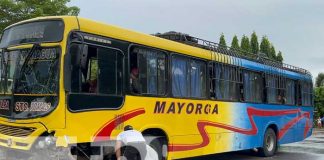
point(276, 89)
point(148, 71)
point(253, 87)
point(290, 92)
point(197, 79)
point(307, 93)
point(180, 81)
point(102, 74)
point(226, 82)
point(96, 81)
point(271, 84)
point(188, 77)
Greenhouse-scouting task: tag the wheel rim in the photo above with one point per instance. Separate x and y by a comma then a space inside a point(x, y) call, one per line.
point(270, 143)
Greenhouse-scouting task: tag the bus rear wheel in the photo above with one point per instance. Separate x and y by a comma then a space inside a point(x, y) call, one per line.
point(270, 143)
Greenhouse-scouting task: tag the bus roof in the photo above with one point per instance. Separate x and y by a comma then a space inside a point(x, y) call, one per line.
point(106, 30)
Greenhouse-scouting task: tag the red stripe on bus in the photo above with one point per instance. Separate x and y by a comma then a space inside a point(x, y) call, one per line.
point(105, 132)
point(253, 131)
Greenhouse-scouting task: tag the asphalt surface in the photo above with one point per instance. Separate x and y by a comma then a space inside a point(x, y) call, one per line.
point(311, 148)
point(250, 156)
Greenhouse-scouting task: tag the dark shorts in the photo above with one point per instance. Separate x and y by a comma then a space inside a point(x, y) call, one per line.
point(135, 151)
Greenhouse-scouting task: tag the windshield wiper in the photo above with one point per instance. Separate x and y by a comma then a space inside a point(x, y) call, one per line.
point(26, 61)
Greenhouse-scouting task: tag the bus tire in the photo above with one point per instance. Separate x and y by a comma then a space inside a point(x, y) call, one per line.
point(270, 142)
point(160, 145)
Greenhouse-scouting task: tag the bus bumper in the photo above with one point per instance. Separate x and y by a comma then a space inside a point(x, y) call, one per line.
point(19, 136)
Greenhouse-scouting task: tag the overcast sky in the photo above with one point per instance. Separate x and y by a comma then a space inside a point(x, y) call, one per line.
point(295, 27)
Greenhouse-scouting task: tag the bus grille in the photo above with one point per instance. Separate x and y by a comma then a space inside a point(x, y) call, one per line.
point(16, 131)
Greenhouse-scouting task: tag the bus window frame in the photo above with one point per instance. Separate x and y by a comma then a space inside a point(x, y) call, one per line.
point(206, 72)
point(122, 95)
point(167, 77)
point(296, 94)
point(239, 82)
point(279, 79)
point(310, 94)
point(244, 70)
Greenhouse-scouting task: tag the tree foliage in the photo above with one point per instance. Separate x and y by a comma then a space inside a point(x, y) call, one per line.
point(279, 57)
point(319, 94)
point(222, 41)
point(319, 100)
point(265, 46)
point(12, 11)
point(235, 43)
point(254, 43)
point(319, 80)
point(245, 45)
point(273, 53)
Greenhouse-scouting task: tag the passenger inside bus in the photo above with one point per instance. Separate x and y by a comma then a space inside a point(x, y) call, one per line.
point(134, 81)
point(281, 98)
point(90, 74)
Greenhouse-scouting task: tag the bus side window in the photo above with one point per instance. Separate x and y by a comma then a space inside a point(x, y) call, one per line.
point(253, 87)
point(227, 82)
point(271, 85)
point(147, 71)
point(307, 93)
point(276, 89)
point(180, 81)
point(188, 77)
point(101, 74)
point(290, 92)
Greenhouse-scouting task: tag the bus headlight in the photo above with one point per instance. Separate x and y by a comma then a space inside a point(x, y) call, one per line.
point(46, 142)
point(49, 140)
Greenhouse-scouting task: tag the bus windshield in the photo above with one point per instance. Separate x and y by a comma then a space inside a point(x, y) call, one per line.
point(30, 76)
point(37, 74)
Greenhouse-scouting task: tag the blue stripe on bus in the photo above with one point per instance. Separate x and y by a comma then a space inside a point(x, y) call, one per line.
point(264, 68)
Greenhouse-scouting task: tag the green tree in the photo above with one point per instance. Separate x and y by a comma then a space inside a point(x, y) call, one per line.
point(265, 46)
point(245, 45)
point(12, 11)
point(254, 43)
point(319, 100)
point(235, 43)
point(319, 82)
point(222, 42)
point(279, 57)
point(319, 94)
point(272, 54)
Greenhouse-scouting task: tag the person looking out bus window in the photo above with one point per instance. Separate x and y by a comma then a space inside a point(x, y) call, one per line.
point(131, 143)
point(134, 81)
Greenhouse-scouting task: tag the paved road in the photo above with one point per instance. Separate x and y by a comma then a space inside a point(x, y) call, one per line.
point(310, 149)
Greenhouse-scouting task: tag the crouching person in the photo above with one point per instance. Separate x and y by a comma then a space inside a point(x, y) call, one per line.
point(130, 145)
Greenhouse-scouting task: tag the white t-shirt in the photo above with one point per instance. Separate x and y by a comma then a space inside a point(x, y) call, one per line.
point(151, 153)
point(130, 136)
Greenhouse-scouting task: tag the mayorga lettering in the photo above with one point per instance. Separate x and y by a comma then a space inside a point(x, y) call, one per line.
point(162, 107)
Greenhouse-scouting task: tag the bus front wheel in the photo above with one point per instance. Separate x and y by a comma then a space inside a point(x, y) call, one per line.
point(269, 147)
point(159, 144)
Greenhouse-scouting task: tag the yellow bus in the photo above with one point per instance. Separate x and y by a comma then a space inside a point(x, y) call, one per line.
point(69, 82)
